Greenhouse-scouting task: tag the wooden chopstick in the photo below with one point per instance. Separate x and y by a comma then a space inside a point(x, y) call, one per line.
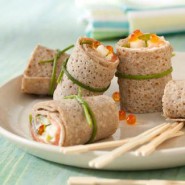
point(154, 137)
point(103, 160)
point(102, 181)
point(103, 145)
point(94, 146)
point(151, 146)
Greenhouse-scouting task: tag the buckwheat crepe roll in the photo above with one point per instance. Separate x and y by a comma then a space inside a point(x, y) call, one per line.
point(63, 123)
point(145, 71)
point(37, 76)
point(91, 64)
point(174, 100)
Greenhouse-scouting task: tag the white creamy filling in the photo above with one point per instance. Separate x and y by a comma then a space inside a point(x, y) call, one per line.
point(137, 44)
point(141, 43)
point(50, 130)
point(104, 52)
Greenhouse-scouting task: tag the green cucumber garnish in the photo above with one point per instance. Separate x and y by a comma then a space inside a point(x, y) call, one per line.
point(61, 74)
point(86, 42)
point(79, 83)
point(145, 37)
point(89, 115)
point(60, 53)
point(144, 77)
point(127, 45)
point(53, 76)
point(173, 54)
point(30, 119)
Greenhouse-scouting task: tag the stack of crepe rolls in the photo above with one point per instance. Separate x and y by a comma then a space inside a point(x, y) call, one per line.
point(174, 100)
point(91, 66)
point(64, 122)
point(144, 69)
point(37, 76)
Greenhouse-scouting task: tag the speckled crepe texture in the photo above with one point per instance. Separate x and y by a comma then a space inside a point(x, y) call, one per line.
point(36, 77)
point(143, 96)
point(73, 121)
point(89, 68)
point(174, 100)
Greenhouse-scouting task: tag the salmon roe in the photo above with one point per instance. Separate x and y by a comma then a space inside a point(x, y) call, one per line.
point(131, 119)
point(134, 36)
point(138, 32)
point(41, 129)
point(122, 115)
point(110, 48)
point(96, 44)
point(154, 38)
point(116, 96)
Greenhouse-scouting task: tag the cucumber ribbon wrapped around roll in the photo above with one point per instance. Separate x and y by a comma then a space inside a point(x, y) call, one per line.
point(43, 70)
point(74, 120)
point(91, 66)
point(144, 70)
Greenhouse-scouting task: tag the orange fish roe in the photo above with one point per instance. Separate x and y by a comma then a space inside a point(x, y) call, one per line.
point(96, 44)
point(134, 36)
point(131, 119)
point(154, 38)
point(116, 96)
point(138, 33)
point(41, 129)
point(122, 115)
point(114, 58)
point(110, 48)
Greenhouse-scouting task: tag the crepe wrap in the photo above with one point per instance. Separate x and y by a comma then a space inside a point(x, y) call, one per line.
point(174, 100)
point(143, 96)
point(89, 68)
point(70, 115)
point(36, 77)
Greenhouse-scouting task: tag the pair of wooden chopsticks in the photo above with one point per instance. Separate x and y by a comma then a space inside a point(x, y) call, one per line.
point(99, 181)
point(149, 140)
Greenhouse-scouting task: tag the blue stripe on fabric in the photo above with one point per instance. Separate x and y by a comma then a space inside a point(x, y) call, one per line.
point(110, 24)
point(131, 9)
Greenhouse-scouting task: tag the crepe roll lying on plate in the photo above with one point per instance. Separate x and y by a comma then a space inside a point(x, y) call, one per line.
point(174, 100)
point(38, 74)
point(74, 121)
point(143, 71)
point(91, 66)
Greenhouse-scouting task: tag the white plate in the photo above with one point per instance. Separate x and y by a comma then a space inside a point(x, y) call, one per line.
point(15, 108)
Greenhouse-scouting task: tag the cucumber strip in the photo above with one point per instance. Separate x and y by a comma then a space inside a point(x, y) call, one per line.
point(93, 89)
point(86, 42)
point(60, 53)
point(46, 61)
point(53, 76)
point(144, 77)
point(89, 115)
point(61, 74)
point(145, 37)
point(30, 119)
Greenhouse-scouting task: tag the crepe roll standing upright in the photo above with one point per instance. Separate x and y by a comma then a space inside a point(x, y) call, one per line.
point(90, 66)
point(174, 100)
point(144, 69)
point(42, 69)
point(74, 121)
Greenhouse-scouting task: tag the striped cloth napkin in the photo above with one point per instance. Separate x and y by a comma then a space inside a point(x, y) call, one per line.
point(117, 18)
